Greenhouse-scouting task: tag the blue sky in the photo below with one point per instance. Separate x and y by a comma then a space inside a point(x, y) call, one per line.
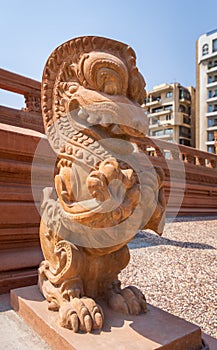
point(163, 33)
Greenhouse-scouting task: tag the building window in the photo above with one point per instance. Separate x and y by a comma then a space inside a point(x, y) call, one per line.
point(187, 120)
point(169, 94)
point(157, 110)
point(184, 94)
point(154, 121)
point(205, 49)
point(214, 45)
point(212, 122)
point(169, 131)
point(212, 93)
point(168, 108)
point(168, 117)
point(209, 79)
point(158, 133)
point(210, 136)
point(182, 109)
point(184, 131)
point(157, 98)
point(209, 108)
point(185, 142)
point(210, 149)
point(209, 64)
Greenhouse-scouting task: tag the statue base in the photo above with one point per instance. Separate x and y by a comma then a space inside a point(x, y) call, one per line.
point(154, 330)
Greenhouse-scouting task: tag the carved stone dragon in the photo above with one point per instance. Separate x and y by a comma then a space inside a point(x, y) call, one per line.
point(105, 189)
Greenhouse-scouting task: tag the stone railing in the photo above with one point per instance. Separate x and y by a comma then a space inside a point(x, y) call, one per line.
point(190, 176)
point(31, 90)
point(166, 150)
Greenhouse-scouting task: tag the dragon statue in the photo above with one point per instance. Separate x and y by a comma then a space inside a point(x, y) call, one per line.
point(105, 188)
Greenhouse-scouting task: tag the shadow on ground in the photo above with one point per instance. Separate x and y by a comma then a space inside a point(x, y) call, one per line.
point(5, 302)
point(190, 218)
point(146, 239)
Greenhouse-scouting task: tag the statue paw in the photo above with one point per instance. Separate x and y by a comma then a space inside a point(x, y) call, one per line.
point(129, 300)
point(81, 314)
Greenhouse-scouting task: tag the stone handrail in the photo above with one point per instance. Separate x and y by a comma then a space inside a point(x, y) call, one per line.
point(162, 149)
point(29, 88)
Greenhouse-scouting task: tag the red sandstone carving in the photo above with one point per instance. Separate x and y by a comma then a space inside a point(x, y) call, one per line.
point(105, 189)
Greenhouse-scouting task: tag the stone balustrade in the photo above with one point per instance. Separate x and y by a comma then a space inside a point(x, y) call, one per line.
point(30, 116)
point(162, 149)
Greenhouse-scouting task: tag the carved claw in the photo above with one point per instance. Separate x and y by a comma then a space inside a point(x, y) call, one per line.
point(81, 314)
point(117, 303)
point(139, 296)
point(68, 317)
point(129, 300)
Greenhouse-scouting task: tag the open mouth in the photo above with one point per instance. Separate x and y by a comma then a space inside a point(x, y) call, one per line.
point(117, 117)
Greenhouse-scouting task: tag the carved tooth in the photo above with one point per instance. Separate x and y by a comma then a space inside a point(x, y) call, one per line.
point(116, 129)
point(82, 113)
point(93, 119)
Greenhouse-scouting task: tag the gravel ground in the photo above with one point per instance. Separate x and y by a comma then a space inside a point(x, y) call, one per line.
point(178, 271)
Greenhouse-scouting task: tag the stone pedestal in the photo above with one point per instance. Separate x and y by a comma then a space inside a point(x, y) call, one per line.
point(151, 331)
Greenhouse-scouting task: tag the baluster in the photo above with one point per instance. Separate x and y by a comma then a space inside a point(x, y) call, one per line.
point(189, 158)
point(201, 161)
point(33, 103)
point(158, 152)
point(175, 155)
point(213, 163)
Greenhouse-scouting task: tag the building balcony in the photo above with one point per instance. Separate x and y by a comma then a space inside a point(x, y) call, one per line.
point(185, 100)
point(163, 137)
point(153, 103)
point(185, 137)
point(212, 84)
point(160, 124)
point(212, 99)
point(210, 143)
point(156, 114)
point(210, 114)
point(187, 121)
point(207, 57)
point(212, 69)
point(212, 127)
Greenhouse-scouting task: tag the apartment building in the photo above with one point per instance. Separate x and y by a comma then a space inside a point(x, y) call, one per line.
point(171, 112)
point(206, 92)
